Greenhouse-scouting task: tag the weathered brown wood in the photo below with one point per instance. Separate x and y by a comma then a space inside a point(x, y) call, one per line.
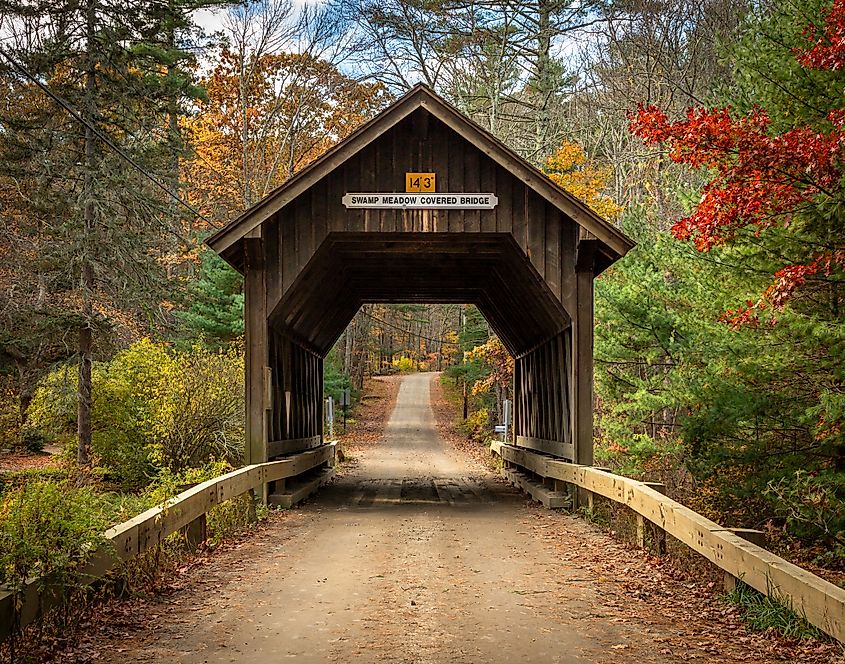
point(527, 264)
point(278, 448)
point(255, 329)
point(549, 497)
point(556, 448)
point(582, 345)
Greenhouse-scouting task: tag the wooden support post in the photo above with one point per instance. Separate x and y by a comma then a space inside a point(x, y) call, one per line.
point(195, 532)
point(582, 350)
point(757, 537)
point(658, 535)
point(640, 530)
point(255, 330)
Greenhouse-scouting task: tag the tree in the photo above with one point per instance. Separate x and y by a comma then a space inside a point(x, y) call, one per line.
point(739, 347)
point(252, 137)
point(275, 102)
point(568, 166)
point(94, 222)
point(782, 184)
point(501, 63)
point(669, 54)
point(215, 304)
point(498, 363)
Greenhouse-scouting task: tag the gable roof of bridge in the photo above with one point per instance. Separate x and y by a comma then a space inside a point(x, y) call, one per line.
point(616, 243)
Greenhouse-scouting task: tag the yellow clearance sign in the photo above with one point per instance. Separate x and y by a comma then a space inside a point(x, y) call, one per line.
point(422, 183)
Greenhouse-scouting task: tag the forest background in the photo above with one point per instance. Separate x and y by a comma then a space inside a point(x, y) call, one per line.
point(711, 132)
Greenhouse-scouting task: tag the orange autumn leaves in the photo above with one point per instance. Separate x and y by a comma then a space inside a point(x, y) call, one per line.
point(570, 168)
point(263, 120)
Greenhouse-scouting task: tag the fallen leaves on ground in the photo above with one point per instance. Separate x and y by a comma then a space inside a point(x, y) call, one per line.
point(26, 460)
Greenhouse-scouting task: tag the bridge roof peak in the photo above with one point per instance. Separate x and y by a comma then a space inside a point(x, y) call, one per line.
point(614, 243)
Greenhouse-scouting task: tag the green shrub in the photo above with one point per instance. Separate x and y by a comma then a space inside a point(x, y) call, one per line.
point(48, 529)
point(198, 411)
point(813, 505)
point(152, 408)
point(14, 479)
point(169, 483)
point(477, 426)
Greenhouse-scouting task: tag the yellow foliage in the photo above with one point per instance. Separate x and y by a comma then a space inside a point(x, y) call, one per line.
point(256, 129)
point(570, 169)
point(404, 364)
point(449, 351)
point(493, 354)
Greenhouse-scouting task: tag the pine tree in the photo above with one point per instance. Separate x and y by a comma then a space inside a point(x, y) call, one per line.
point(215, 304)
point(98, 228)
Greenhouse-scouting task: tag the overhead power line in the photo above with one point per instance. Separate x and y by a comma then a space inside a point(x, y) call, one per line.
point(105, 139)
point(442, 342)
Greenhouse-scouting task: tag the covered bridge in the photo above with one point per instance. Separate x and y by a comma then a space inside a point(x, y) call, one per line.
point(420, 205)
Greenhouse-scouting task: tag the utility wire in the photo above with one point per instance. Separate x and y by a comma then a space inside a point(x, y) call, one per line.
point(105, 139)
point(442, 342)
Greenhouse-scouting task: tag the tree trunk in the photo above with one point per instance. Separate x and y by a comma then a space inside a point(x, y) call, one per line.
point(545, 80)
point(83, 418)
point(174, 140)
point(347, 350)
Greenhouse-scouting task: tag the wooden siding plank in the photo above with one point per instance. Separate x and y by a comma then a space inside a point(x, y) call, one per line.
point(537, 232)
point(504, 187)
point(556, 448)
point(472, 182)
point(487, 183)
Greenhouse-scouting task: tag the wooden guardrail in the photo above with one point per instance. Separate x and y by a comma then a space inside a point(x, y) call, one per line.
point(820, 602)
point(148, 529)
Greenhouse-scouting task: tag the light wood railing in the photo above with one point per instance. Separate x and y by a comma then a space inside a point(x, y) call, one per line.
point(820, 602)
point(148, 529)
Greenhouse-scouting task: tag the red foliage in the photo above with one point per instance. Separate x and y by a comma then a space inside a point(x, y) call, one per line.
point(828, 49)
point(761, 178)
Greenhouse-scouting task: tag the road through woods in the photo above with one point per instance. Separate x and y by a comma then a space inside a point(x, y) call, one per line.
point(417, 555)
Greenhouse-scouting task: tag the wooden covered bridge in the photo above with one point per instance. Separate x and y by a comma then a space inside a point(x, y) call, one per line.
point(420, 205)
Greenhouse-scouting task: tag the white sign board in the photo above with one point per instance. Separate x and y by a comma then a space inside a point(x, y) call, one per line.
point(459, 201)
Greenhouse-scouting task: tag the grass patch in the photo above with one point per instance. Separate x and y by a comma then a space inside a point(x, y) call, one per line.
point(762, 613)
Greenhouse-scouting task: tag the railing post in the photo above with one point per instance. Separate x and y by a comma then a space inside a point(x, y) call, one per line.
point(757, 537)
point(658, 534)
point(196, 532)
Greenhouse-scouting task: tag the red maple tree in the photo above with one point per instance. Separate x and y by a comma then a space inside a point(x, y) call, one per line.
point(761, 178)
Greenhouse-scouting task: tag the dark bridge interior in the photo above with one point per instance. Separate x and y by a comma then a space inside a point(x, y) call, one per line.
point(488, 270)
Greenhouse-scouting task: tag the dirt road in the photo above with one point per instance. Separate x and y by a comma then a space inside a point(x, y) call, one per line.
point(414, 556)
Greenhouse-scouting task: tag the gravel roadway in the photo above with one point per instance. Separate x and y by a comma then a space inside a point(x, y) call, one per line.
point(412, 555)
